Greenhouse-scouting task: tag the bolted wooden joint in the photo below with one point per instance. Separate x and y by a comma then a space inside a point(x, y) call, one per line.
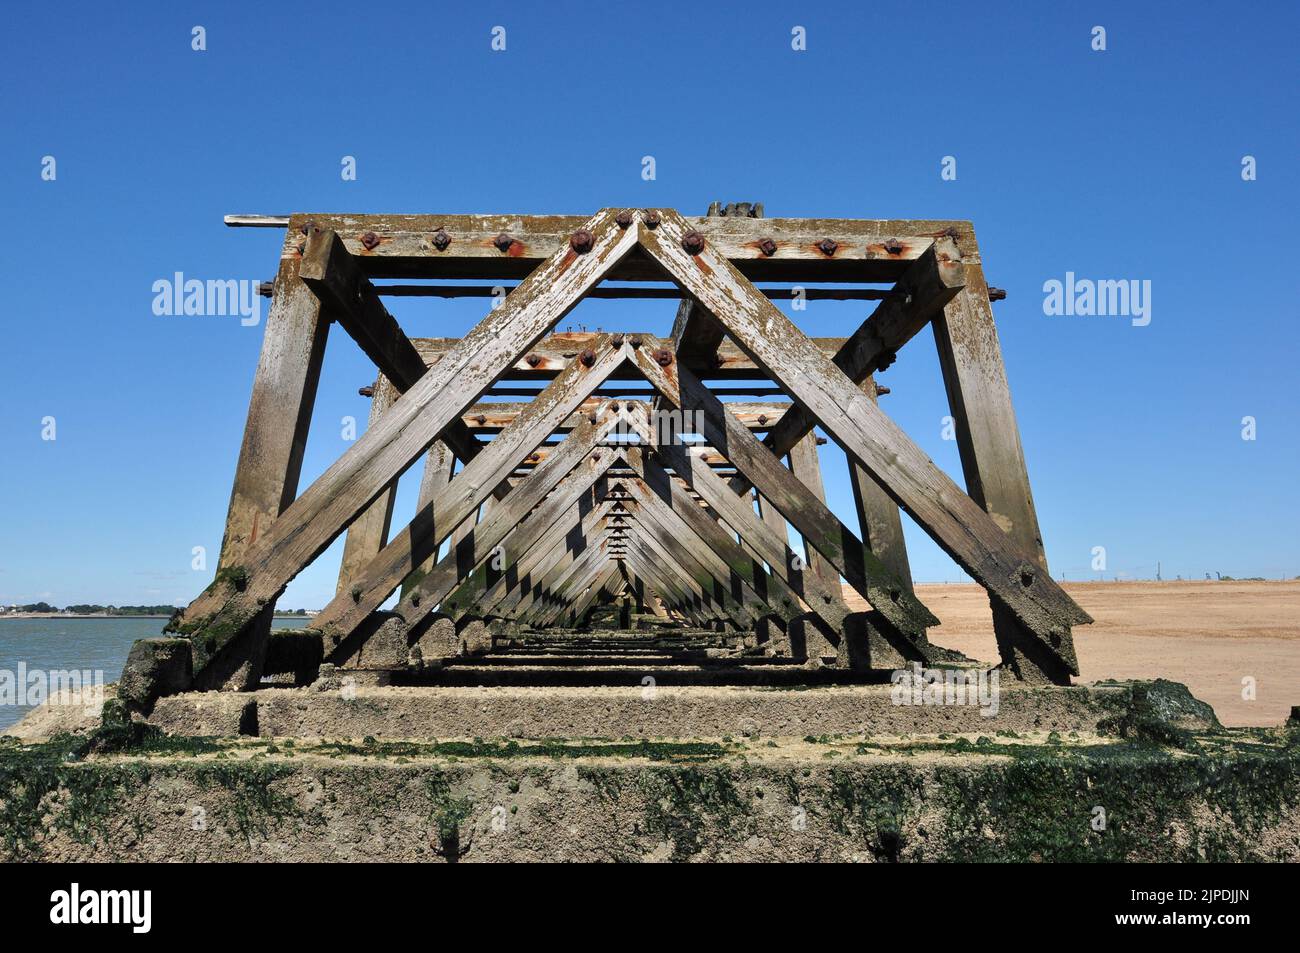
point(693, 242)
point(582, 241)
point(441, 239)
point(767, 247)
point(616, 340)
point(370, 241)
point(503, 242)
point(650, 217)
point(893, 246)
point(624, 218)
point(587, 356)
point(663, 357)
point(634, 340)
point(532, 360)
point(828, 246)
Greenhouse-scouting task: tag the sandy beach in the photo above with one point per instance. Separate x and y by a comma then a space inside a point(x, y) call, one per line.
point(1208, 635)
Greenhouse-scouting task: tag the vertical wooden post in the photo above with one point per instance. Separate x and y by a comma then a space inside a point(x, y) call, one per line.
point(879, 519)
point(805, 465)
point(275, 437)
point(369, 531)
point(438, 465)
point(993, 460)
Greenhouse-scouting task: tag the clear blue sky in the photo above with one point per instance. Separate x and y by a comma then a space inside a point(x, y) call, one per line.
point(1117, 164)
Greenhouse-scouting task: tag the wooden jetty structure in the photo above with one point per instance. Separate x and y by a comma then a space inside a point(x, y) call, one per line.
point(578, 514)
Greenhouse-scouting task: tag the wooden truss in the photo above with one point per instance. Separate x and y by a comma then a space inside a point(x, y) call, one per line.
point(572, 500)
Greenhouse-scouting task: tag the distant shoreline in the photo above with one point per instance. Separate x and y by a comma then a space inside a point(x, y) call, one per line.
point(104, 615)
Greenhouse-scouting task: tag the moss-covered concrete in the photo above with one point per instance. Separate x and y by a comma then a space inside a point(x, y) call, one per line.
point(1217, 796)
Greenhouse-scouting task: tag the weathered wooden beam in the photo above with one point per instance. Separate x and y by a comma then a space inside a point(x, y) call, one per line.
point(993, 463)
point(879, 520)
point(511, 246)
point(569, 474)
point(807, 469)
point(369, 531)
point(548, 356)
point(955, 521)
point(830, 537)
point(225, 610)
point(459, 500)
point(270, 457)
point(929, 284)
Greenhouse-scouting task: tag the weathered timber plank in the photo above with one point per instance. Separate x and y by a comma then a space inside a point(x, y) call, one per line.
point(320, 514)
point(866, 250)
point(457, 502)
point(993, 463)
point(270, 457)
point(958, 524)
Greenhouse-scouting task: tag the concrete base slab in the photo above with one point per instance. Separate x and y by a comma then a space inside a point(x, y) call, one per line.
point(984, 799)
point(347, 709)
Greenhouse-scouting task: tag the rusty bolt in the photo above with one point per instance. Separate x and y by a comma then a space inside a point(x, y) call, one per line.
point(615, 407)
point(693, 242)
point(503, 242)
point(997, 294)
point(591, 417)
point(616, 340)
point(370, 240)
point(767, 247)
point(650, 217)
point(366, 391)
point(587, 356)
point(635, 341)
point(532, 458)
point(828, 246)
point(441, 240)
point(532, 360)
point(663, 357)
point(881, 390)
point(894, 246)
point(308, 227)
point(762, 419)
point(582, 241)
point(624, 218)
point(480, 420)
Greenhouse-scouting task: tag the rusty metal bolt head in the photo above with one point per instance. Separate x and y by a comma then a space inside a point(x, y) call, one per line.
point(663, 357)
point(441, 240)
point(828, 246)
point(532, 360)
point(587, 356)
point(503, 242)
point(480, 420)
point(650, 217)
point(366, 391)
point(370, 240)
point(615, 407)
point(635, 340)
point(624, 218)
point(616, 340)
point(881, 390)
point(767, 247)
point(693, 242)
point(893, 246)
point(532, 458)
point(582, 241)
point(762, 419)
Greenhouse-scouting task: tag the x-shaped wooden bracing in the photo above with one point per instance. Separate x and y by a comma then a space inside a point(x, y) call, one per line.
point(826, 393)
